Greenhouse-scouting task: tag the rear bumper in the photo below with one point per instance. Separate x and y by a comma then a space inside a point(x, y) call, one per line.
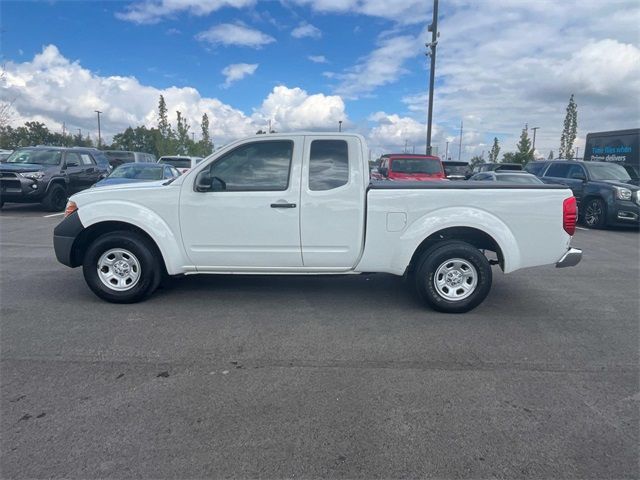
point(571, 258)
point(64, 237)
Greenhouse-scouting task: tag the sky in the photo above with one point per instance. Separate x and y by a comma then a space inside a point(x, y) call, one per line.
point(308, 64)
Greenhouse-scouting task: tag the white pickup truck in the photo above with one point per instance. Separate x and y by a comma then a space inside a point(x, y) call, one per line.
point(303, 204)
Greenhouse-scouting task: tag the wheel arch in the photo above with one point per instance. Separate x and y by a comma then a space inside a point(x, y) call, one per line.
point(89, 234)
point(471, 235)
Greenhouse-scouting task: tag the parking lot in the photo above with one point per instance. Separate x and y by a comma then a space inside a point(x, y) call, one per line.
point(272, 377)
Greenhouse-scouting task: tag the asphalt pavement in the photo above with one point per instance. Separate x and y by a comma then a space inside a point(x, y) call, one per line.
point(307, 377)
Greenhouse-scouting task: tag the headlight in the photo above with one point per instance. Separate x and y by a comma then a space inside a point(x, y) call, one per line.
point(622, 193)
point(33, 175)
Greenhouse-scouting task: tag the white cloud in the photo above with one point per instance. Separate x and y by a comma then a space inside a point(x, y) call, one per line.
point(295, 109)
point(153, 11)
point(237, 71)
point(52, 89)
point(318, 59)
point(403, 11)
point(306, 30)
point(382, 66)
point(235, 34)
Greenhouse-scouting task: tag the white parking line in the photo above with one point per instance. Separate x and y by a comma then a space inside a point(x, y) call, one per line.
point(582, 228)
point(54, 215)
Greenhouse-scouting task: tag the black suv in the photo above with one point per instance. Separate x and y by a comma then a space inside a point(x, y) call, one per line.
point(48, 175)
point(605, 192)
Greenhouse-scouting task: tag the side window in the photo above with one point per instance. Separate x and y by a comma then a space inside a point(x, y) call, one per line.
point(257, 166)
point(73, 157)
point(167, 172)
point(328, 164)
point(86, 159)
point(559, 170)
point(576, 171)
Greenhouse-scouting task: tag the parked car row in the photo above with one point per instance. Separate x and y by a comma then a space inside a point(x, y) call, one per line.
point(49, 175)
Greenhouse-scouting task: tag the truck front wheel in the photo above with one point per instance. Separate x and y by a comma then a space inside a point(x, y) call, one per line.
point(453, 277)
point(121, 267)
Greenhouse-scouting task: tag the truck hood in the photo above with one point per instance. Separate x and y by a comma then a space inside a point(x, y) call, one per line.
point(630, 184)
point(419, 177)
point(112, 182)
point(25, 167)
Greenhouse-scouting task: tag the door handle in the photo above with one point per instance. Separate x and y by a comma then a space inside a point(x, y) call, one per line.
point(283, 205)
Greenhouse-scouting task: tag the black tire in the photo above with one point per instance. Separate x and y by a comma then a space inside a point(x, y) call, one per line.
point(145, 260)
point(595, 214)
point(56, 198)
point(468, 266)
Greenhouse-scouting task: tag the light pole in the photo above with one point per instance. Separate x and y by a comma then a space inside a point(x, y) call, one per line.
point(339, 125)
point(99, 136)
point(446, 151)
point(433, 28)
point(533, 148)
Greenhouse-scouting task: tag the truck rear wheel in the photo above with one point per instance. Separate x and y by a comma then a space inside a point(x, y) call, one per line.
point(121, 267)
point(453, 277)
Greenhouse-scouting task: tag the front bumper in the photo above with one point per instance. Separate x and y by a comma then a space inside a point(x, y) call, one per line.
point(624, 212)
point(16, 188)
point(64, 238)
point(571, 258)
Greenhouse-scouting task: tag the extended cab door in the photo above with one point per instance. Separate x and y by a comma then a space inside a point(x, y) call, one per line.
point(332, 202)
point(241, 212)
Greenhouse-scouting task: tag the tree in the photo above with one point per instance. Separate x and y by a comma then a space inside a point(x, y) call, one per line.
point(475, 161)
point(495, 150)
point(508, 157)
point(182, 135)
point(550, 157)
point(524, 153)
point(163, 120)
point(569, 131)
point(205, 147)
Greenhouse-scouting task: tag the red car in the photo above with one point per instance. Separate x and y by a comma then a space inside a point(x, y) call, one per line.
point(405, 166)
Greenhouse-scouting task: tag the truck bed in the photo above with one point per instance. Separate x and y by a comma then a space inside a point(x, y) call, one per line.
point(460, 185)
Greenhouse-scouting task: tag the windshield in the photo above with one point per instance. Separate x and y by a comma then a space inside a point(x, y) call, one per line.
point(518, 179)
point(607, 171)
point(137, 172)
point(415, 165)
point(39, 157)
point(177, 162)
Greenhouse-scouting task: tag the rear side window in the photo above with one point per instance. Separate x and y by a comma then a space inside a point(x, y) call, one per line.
point(559, 170)
point(328, 164)
point(86, 159)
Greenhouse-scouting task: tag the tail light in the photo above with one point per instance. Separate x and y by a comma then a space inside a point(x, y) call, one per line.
point(569, 215)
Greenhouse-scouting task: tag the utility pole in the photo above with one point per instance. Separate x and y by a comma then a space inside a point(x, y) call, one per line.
point(433, 28)
point(193, 137)
point(269, 127)
point(460, 144)
point(577, 153)
point(446, 151)
point(99, 136)
point(63, 129)
point(534, 139)
point(339, 125)
point(80, 134)
point(406, 143)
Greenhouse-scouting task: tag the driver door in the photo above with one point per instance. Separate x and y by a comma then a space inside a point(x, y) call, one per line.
point(242, 210)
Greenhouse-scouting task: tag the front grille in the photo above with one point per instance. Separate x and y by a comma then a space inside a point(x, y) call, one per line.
point(7, 175)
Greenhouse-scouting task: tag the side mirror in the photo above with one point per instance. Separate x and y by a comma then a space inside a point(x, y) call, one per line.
point(203, 182)
point(72, 164)
point(579, 176)
point(383, 171)
point(206, 183)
